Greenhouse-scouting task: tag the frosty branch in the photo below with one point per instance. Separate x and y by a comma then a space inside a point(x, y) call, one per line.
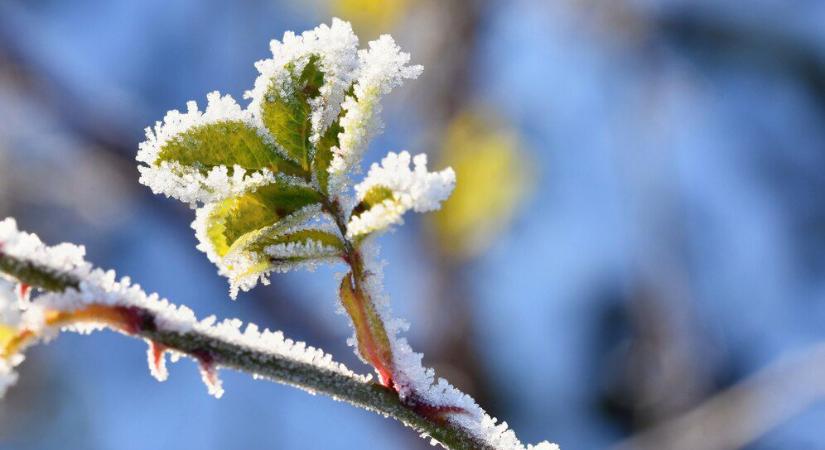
point(271, 185)
point(302, 367)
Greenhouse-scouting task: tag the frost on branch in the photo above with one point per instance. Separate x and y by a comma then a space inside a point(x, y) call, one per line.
point(392, 188)
point(272, 188)
point(98, 300)
point(418, 386)
point(9, 327)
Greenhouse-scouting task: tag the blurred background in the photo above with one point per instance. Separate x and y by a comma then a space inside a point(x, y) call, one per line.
point(634, 257)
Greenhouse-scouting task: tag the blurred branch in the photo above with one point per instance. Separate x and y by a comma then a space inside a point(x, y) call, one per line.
point(739, 415)
point(720, 40)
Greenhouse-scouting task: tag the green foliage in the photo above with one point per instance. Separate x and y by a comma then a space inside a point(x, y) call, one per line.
point(239, 218)
point(376, 195)
point(226, 143)
point(323, 154)
point(323, 151)
point(288, 117)
point(302, 236)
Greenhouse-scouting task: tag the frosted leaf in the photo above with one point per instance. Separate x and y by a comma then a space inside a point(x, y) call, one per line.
point(247, 262)
point(382, 67)
point(335, 45)
point(192, 163)
point(400, 190)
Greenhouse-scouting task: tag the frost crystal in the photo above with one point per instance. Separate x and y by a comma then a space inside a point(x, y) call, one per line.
point(10, 319)
point(188, 184)
point(301, 250)
point(316, 103)
point(101, 288)
point(245, 269)
point(382, 67)
point(337, 47)
point(415, 189)
point(418, 383)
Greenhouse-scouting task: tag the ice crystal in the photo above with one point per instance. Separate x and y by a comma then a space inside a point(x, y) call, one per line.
point(301, 250)
point(382, 67)
point(189, 184)
point(188, 156)
point(245, 269)
point(415, 189)
point(418, 384)
point(102, 288)
point(315, 105)
point(337, 48)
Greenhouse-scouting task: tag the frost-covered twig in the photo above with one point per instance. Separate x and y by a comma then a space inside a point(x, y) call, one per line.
point(272, 186)
point(80, 298)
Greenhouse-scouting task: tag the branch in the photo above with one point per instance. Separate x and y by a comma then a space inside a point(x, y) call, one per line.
point(279, 368)
point(739, 415)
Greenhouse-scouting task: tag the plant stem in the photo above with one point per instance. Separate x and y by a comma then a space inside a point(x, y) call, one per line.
point(281, 369)
point(373, 342)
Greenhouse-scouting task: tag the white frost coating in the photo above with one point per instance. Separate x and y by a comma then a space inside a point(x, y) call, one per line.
point(415, 189)
point(302, 250)
point(10, 319)
point(418, 383)
point(186, 183)
point(98, 287)
point(245, 269)
point(337, 47)
point(382, 67)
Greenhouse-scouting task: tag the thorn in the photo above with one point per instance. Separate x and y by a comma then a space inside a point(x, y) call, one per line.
point(157, 361)
point(23, 292)
point(209, 374)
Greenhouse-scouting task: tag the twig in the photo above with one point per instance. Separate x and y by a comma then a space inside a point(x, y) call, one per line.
point(368, 395)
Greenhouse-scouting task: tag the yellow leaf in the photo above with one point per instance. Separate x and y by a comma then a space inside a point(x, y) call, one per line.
point(493, 177)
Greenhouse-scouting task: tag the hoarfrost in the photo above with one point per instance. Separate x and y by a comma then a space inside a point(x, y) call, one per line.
point(382, 68)
point(101, 288)
point(188, 184)
point(415, 189)
point(337, 48)
point(417, 383)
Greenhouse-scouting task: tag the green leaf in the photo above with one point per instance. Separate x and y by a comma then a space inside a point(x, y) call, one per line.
point(256, 260)
point(323, 150)
point(376, 195)
point(302, 236)
point(238, 218)
point(226, 143)
point(288, 117)
point(323, 155)
point(373, 343)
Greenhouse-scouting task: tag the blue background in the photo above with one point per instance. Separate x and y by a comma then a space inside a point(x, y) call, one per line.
point(672, 245)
